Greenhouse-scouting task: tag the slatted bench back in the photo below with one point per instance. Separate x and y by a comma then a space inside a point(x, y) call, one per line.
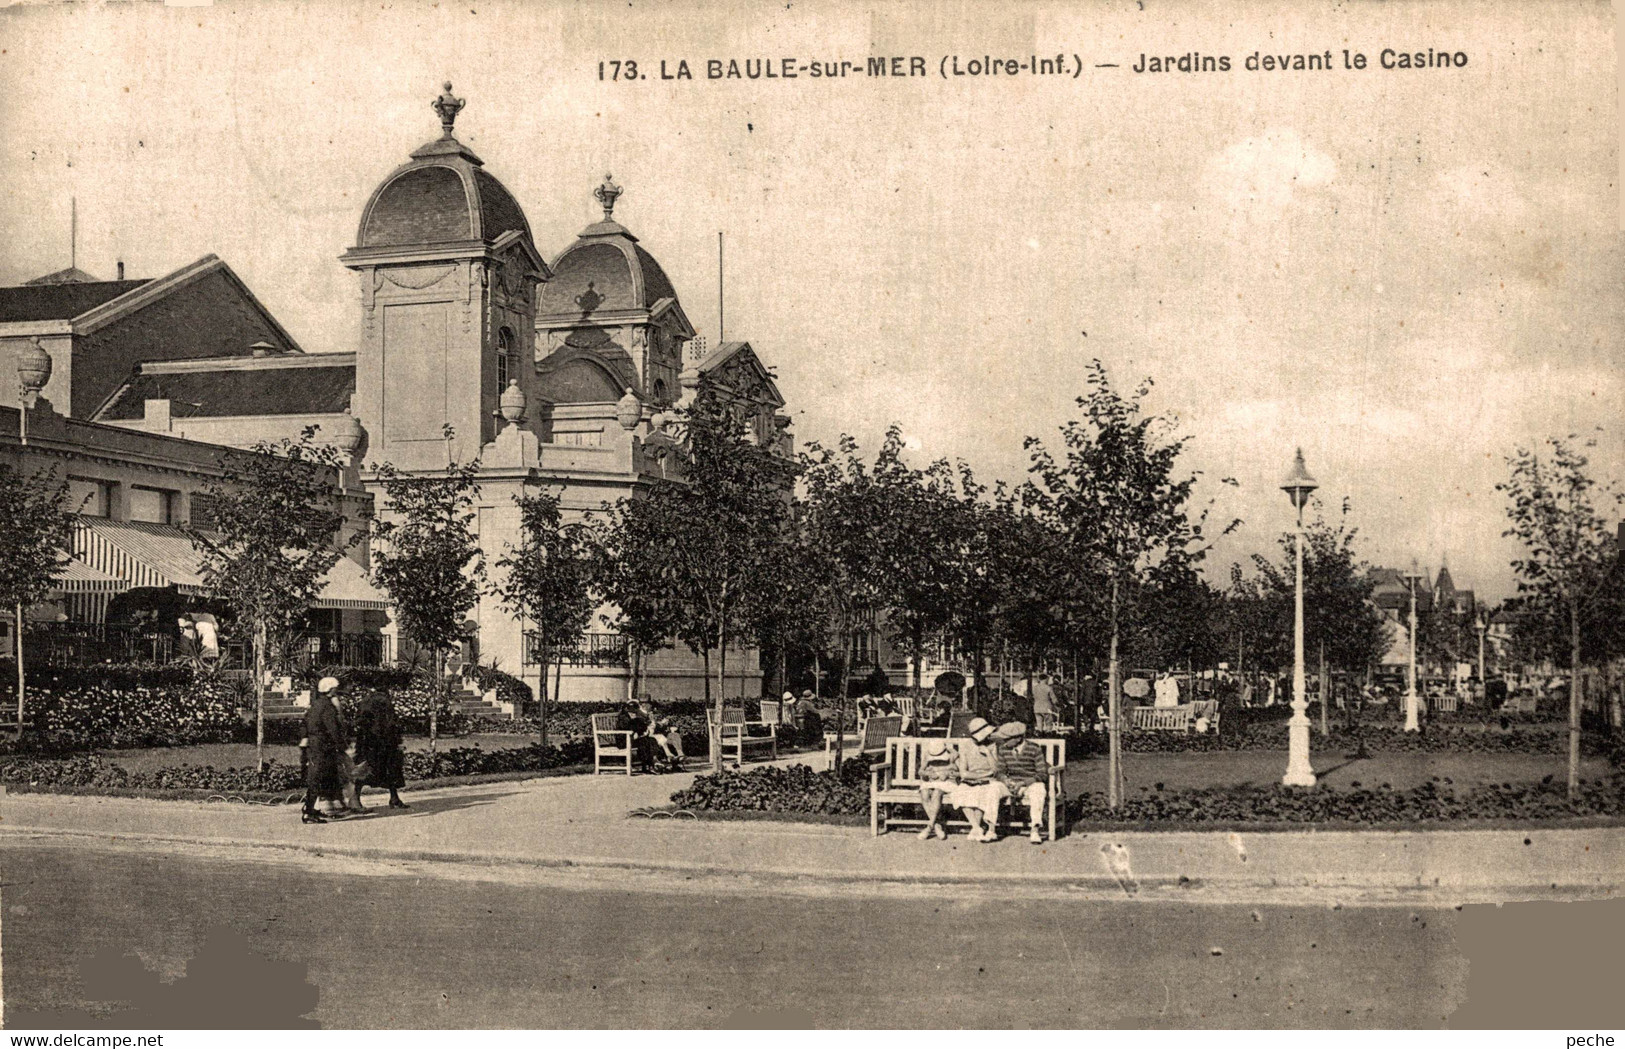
point(1162, 718)
point(906, 754)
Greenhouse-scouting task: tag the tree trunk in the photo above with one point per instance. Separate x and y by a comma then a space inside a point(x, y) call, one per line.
point(722, 693)
point(632, 677)
point(1114, 704)
point(20, 686)
point(1325, 691)
point(840, 708)
point(541, 699)
point(558, 687)
point(259, 695)
point(919, 653)
point(1574, 697)
point(434, 699)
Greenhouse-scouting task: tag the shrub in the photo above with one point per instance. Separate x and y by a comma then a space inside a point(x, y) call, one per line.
point(796, 788)
point(1429, 802)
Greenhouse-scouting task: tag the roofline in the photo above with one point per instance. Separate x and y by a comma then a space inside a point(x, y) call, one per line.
point(732, 349)
point(24, 329)
point(99, 317)
point(246, 364)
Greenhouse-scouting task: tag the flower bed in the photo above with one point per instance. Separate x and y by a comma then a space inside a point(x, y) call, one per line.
point(799, 790)
point(792, 789)
point(94, 771)
point(1431, 802)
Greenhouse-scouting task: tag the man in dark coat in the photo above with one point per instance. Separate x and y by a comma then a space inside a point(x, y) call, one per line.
point(378, 746)
point(324, 742)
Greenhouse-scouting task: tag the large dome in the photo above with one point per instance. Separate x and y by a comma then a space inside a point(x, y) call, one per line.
point(605, 271)
point(443, 195)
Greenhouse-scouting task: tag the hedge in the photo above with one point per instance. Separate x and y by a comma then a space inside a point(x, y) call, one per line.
point(800, 790)
point(93, 770)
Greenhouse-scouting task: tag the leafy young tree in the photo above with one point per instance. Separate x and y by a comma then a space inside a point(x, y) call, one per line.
point(278, 518)
point(1117, 496)
point(1340, 620)
point(35, 526)
point(699, 542)
point(853, 541)
point(1563, 518)
point(429, 560)
point(548, 579)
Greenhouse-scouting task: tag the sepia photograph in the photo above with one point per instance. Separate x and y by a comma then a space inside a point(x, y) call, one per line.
point(831, 514)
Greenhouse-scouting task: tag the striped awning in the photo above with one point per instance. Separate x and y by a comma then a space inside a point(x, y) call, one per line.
point(144, 555)
point(76, 577)
point(154, 555)
point(347, 586)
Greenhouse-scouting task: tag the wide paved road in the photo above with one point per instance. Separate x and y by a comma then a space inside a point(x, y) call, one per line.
point(209, 941)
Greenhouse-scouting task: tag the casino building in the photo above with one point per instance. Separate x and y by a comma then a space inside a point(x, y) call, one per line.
point(552, 373)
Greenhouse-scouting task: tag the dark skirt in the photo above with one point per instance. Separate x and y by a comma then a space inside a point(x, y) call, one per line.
point(386, 765)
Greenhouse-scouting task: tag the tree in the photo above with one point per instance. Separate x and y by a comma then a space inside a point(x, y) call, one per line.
point(1122, 506)
point(697, 544)
point(278, 516)
point(35, 527)
point(548, 579)
point(429, 560)
point(1340, 620)
point(853, 542)
point(1563, 518)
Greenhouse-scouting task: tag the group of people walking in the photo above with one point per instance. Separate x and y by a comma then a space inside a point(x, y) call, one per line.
point(349, 743)
point(979, 774)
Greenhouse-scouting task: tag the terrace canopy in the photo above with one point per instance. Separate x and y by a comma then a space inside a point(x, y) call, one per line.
point(157, 555)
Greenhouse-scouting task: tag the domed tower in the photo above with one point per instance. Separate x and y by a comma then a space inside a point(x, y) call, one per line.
point(609, 319)
point(448, 297)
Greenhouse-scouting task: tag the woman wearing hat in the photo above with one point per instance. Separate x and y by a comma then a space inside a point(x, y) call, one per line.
point(978, 790)
point(936, 778)
point(324, 744)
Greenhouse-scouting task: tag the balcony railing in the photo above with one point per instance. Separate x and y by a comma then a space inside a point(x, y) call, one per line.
point(82, 644)
point(590, 650)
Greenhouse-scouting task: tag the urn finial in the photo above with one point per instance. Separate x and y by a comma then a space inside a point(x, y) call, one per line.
point(448, 107)
point(607, 194)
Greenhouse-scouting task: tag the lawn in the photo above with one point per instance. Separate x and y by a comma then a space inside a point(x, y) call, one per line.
point(241, 755)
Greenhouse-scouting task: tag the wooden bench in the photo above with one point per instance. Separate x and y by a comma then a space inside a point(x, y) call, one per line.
point(896, 781)
point(872, 737)
point(736, 735)
point(612, 743)
point(1161, 719)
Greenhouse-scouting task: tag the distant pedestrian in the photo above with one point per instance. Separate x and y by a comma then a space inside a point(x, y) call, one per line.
point(380, 761)
point(1043, 705)
point(324, 745)
point(1167, 694)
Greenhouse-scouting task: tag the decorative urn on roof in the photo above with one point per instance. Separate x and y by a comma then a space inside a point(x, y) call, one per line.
point(629, 410)
point(348, 434)
point(511, 405)
point(33, 371)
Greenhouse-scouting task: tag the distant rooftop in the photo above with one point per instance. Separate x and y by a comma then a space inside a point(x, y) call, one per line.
point(59, 301)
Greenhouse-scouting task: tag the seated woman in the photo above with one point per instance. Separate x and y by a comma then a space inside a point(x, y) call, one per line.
point(978, 790)
point(643, 745)
point(936, 779)
point(664, 733)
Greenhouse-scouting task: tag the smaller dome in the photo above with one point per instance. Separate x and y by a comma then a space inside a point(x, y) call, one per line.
point(604, 271)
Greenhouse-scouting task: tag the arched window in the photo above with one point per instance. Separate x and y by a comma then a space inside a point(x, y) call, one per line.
point(660, 391)
point(507, 367)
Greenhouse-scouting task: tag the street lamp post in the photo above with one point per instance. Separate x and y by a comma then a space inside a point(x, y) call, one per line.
point(1298, 487)
point(33, 372)
point(1483, 681)
point(1413, 579)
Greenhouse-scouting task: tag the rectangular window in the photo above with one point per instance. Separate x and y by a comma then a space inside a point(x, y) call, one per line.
point(90, 497)
point(203, 513)
point(153, 505)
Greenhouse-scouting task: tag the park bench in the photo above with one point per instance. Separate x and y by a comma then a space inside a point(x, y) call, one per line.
point(1161, 719)
point(775, 712)
point(612, 743)
point(872, 737)
point(737, 735)
point(895, 781)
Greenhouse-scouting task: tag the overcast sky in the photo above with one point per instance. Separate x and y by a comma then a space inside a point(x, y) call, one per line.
point(1405, 272)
